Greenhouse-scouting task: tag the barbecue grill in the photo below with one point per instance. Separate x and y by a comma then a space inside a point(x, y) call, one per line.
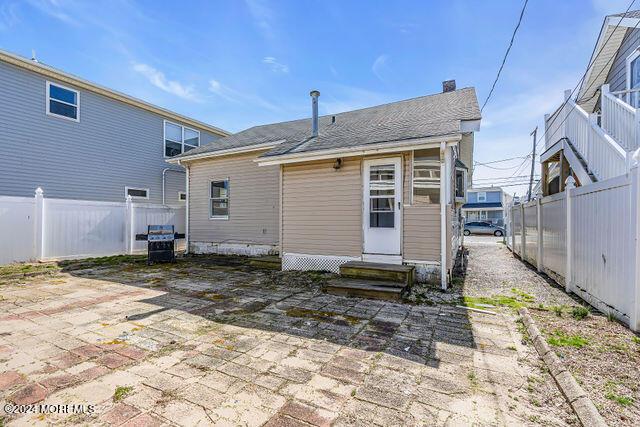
point(160, 243)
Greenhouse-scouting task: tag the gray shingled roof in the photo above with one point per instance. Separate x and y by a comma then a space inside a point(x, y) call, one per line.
point(425, 116)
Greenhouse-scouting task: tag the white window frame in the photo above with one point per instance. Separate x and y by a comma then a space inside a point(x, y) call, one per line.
point(182, 144)
point(484, 196)
point(48, 102)
point(180, 194)
point(464, 183)
point(413, 175)
point(633, 56)
point(126, 192)
point(220, 217)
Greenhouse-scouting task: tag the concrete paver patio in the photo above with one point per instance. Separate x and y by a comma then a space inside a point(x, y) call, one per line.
point(214, 341)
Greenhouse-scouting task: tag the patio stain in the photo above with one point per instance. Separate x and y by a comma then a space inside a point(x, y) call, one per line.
point(323, 316)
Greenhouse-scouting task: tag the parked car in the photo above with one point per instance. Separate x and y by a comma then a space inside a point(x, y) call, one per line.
point(482, 228)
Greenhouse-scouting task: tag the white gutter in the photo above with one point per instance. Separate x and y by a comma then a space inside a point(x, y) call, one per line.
point(219, 153)
point(385, 147)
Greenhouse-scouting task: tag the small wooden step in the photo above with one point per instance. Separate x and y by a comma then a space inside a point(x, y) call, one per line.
point(384, 290)
point(266, 262)
point(378, 271)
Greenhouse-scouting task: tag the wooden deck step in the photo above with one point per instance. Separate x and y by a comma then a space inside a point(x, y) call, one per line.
point(378, 271)
point(384, 290)
point(267, 262)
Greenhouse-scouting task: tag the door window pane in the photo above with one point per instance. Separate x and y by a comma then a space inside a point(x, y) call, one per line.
point(381, 206)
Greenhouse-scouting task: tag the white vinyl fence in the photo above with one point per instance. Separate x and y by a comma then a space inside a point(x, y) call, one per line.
point(38, 228)
point(586, 238)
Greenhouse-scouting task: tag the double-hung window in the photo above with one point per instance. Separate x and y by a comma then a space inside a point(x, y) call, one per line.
point(482, 196)
point(426, 176)
point(179, 139)
point(63, 102)
point(219, 199)
point(460, 183)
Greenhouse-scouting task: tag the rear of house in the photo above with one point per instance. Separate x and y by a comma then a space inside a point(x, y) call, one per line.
point(381, 184)
point(78, 140)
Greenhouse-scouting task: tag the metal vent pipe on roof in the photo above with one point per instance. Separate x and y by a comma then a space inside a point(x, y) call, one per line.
point(314, 112)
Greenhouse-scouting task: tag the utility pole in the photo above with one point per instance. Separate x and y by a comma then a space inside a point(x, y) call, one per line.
point(533, 161)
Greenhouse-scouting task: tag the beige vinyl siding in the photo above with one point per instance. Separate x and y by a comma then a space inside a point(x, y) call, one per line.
point(422, 233)
point(253, 200)
point(322, 208)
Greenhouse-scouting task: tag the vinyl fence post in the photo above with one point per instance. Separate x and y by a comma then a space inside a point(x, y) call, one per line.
point(634, 318)
point(38, 221)
point(129, 226)
point(570, 185)
point(540, 234)
point(513, 234)
point(523, 234)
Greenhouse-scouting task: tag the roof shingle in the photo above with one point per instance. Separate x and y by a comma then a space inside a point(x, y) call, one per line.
point(426, 116)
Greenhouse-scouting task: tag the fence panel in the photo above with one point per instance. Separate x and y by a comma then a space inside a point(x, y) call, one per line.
point(78, 228)
point(144, 215)
point(554, 233)
point(603, 243)
point(17, 229)
point(531, 232)
point(516, 216)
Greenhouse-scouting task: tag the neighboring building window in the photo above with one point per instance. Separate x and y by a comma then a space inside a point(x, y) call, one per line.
point(182, 196)
point(62, 101)
point(219, 200)
point(460, 183)
point(633, 78)
point(179, 139)
point(426, 176)
point(482, 197)
point(136, 193)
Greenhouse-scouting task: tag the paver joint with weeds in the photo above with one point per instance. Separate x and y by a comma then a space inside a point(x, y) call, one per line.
point(121, 392)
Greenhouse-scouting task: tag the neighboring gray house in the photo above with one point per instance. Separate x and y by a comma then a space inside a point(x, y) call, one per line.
point(486, 204)
point(78, 140)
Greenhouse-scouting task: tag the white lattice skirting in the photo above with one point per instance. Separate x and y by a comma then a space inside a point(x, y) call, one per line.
point(315, 262)
point(247, 249)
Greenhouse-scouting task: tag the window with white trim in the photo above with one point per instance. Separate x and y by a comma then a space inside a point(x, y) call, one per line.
point(63, 102)
point(482, 196)
point(136, 193)
point(461, 179)
point(179, 139)
point(182, 196)
point(426, 176)
point(219, 199)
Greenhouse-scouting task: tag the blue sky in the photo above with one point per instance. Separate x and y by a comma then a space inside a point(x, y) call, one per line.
point(237, 63)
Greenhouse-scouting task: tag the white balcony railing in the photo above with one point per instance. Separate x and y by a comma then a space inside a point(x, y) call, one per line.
point(619, 119)
point(605, 157)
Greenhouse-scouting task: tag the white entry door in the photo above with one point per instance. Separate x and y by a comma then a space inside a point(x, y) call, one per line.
point(382, 203)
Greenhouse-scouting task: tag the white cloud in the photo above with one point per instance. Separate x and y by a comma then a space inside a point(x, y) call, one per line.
point(262, 16)
point(55, 9)
point(8, 16)
point(238, 97)
point(379, 65)
point(158, 79)
point(275, 66)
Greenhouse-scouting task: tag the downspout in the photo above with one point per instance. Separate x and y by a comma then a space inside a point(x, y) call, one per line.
point(445, 159)
point(186, 213)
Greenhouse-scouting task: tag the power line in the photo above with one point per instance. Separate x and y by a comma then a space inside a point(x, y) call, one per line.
point(506, 54)
point(501, 160)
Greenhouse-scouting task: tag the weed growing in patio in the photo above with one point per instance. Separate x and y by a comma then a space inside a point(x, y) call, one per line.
point(561, 339)
point(121, 392)
point(321, 315)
